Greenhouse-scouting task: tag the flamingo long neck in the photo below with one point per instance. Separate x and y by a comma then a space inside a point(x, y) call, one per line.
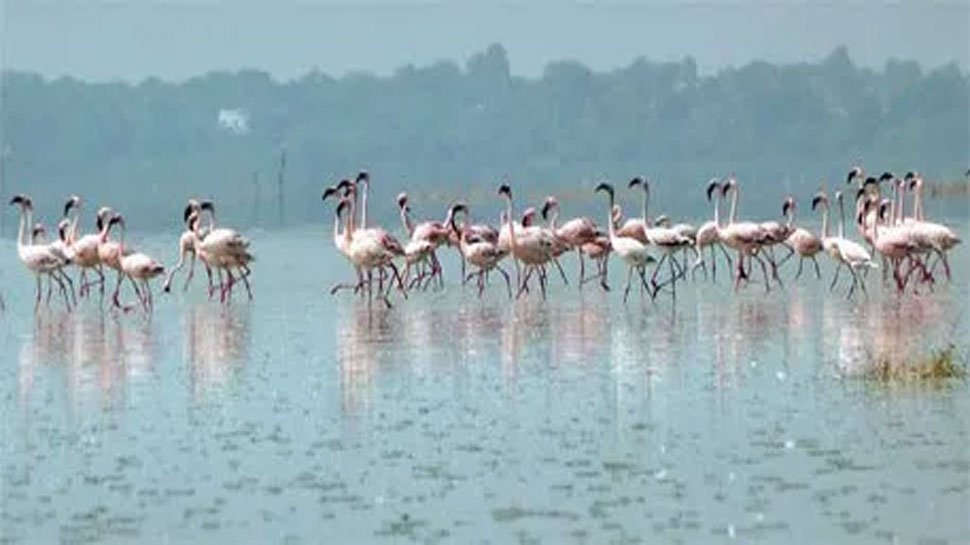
point(897, 211)
point(717, 211)
point(105, 227)
point(841, 218)
point(791, 217)
point(646, 193)
point(72, 229)
point(609, 219)
point(554, 219)
point(512, 239)
point(363, 205)
point(734, 205)
point(121, 241)
point(406, 220)
point(22, 232)
point(825, 221)
point(918, 201)
point(336, 229)
point(349, 228)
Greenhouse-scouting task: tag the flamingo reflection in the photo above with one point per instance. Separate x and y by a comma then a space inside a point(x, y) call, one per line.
point(216, 344)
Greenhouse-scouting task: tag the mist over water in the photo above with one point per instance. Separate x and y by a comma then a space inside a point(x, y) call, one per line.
point(301, 416)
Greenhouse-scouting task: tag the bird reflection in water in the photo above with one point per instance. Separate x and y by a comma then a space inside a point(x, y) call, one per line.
point(364, 336)
point(216, 341)
point(98, 353)
point(894, 330)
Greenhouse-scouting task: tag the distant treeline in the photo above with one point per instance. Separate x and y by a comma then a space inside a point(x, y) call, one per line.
point(445, 130)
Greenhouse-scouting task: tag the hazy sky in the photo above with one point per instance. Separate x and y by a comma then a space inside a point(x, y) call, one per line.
point(175, 39)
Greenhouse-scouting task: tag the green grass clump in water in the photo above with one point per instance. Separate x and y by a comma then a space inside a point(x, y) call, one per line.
point(939, 365)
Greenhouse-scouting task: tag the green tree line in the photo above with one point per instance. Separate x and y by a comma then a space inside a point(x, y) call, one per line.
point(448, 129)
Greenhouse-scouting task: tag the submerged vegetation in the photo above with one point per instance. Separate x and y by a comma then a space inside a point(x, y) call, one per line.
point(939, 364)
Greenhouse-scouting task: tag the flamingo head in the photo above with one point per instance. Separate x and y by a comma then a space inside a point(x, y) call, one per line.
point(818, 199)
point(789, 204)
point(637, 181)
point(346, 186)
point(23, 200)
point(550, 203)
point(883, 208)
point(117, 219)
point(854, 172)
point(712, 186)
point(886, 176)
point(605, 187)
point(505, 191)
point(861, 193)
point(192, 206)
point(329, 192)
point(342, 205)
point(528, 216)
point(363, 177)
point(192, 220)
point(103, 212)
point(62, 228)
point(910, 175)
point(208, 205)
point(914, 183)
point(662, 221)
point(72, 201)
point(402, 201)
point(453, 213)
point(38, 231)
point(726, 187)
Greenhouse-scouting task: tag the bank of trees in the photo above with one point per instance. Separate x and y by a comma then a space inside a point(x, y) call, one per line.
point(446, 126)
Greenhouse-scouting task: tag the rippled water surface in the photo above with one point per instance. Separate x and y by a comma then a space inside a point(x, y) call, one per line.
point(303, 418)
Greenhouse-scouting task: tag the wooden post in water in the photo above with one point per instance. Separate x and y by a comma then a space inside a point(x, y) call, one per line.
point(279, 185)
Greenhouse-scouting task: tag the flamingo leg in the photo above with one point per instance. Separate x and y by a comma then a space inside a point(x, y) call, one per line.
point(835, 277)
point(818, 271)
point(188, 277)
point(629, 279)
point(508, 279)
point(116, 296)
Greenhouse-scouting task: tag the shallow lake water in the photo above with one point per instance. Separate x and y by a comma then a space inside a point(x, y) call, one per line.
point(307, 418)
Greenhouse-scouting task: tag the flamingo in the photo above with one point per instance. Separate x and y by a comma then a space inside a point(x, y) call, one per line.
point(744, 237)
point(137, 266)
point(40, 259)
point(852, 254)
point(893, 243)
point(482, 253)
point(707, 234)
point(188, 251)
point(109, 253)
point(939, 237)
point(800, 240)
point(573, 234)
point(60, 249)
point(370, 249)
point(527, 245)
point(666, 239)
point(341, 242)
point(224, 249)
point(549, 239)
point(633, 252)
point(425, 238)
point(392, 248)
point(85, 248)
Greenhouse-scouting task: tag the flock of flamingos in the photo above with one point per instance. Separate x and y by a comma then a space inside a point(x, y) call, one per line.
point(910, 248)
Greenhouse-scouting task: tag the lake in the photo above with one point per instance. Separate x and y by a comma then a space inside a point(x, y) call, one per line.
point(306, 418)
